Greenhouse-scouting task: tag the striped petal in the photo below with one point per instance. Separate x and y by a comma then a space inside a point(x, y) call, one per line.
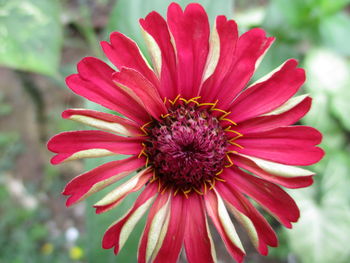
point(155, 229)
point(124, 52)
point(197, 229)
point(268, 195)
point(217, 212)
point(158, 39)
point(117, 234)
point(103, 121)
point(97, 179)
point(115, 197)
point(75, 145)
point(192, 45)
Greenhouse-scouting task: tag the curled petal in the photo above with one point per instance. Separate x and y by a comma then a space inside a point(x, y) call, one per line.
point(87, 144)
point(104, 121)
point(217, 212)
point(97, 179)
point(117, 234)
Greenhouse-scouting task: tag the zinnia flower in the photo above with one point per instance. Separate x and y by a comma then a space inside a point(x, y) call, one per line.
point(201, 141)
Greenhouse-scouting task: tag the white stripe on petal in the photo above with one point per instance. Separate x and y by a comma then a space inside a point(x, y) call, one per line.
point(156, 230)
point(227, 223)
point(91, 153)
point(214, 54)
point(291, 103)
point(132, 221)
point(161, 237)
point(154, 51)
point(279, 169)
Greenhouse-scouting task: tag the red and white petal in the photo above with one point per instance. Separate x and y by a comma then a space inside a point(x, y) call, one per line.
point(190, 31)
point(221, 56)
point(156, 33)
point(115, 197)
point(268, 95)
point(259, 230)
point(75, 145)
point(124, 52)
point(94, 82)
point(117, 234)
point(155, 229)
point(294, 145)
point(217, 212)
point(97, 179)
point(139, 87)
point(104, 121)
point(198, 243)
point(170, 248)
point(251, 48)
point(287, 114)
point(268, 195)
point(285, 175)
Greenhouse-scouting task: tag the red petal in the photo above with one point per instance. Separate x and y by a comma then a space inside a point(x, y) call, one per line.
point(88, 183)
point(265, 123)
point(288, 145)
point(266, 96)
point(190, 29)
point(266, 235)
point(228, 35)
point(171, 246)
point(66, 144)
point(268, 195)
point(155, 25)
point(251, 47)
point(112, 237)
point(94, 82)
point(143, 89)
point(289, 182)
point(124, 52)
point(212, 207)
point(198, 243)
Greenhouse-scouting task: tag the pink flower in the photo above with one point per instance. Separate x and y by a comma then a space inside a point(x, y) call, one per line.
point(199, 139)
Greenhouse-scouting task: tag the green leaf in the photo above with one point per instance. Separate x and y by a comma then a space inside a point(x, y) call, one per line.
point(322, 233)
point(30, 35)
point(334, 31)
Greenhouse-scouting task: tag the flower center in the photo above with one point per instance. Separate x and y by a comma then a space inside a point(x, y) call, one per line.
point(186, 148)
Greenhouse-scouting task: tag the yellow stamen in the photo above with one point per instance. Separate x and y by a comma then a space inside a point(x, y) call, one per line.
point(219, 172)
point(220, 179)
point(165, 115)
point(143, 127)
point(229, 120)
point(236, 144)
point(197, 191)
point(174, 101)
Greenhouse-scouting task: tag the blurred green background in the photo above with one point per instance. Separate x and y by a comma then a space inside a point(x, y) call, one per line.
point(40, 43)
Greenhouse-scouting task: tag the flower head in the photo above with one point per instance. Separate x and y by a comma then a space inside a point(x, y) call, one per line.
point(200, 140)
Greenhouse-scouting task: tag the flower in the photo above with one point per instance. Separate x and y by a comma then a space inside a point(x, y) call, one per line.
point(200, 140)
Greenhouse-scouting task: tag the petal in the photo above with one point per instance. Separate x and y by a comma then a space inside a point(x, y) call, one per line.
point(170, 247)
point(268, 195)
point(115, 197)
point(94, 82)
point(117, 234)
point(217, 212)
point(104, 121)
point(190, 30)
point(221, 56)
point(292, 145)
point(285, 175)
point(97, 179)
point(144, 90)
point(158, 39)
point(259, 230)
point(278, 119)
point(198, 242)
point(87, 144)
point(124, 52)
point(251, 48)
point(268, 95)
point(155, 229)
